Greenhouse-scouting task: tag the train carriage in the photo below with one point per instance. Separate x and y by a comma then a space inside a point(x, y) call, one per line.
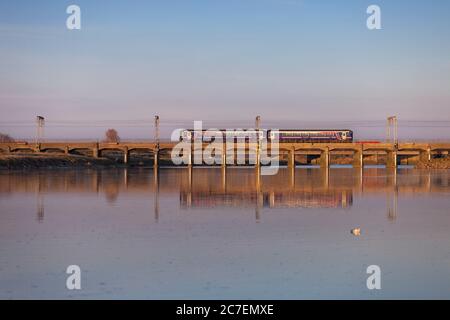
point(227, 135)
point(311, 136)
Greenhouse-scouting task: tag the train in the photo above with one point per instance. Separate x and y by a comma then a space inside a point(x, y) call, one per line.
point(282, 135)
point(312, 136)
point(207, 135)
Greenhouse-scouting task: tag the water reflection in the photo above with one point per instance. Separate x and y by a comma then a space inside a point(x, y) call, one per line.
point(40, 207)
point(308, 233)
point(156, 192)
point(233, 188)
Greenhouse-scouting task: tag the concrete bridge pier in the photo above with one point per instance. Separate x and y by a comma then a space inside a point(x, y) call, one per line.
point(224, 157)
point(37, 148)
point(291, 158)
point(425, 155)
point(257, 161)
point(257, 155)
point(223, 168)
point(391, 159)
point(358, 161)
point(66, 150)
point(292, 177)
point(126, 155)
point(190, 157)
point(325, 158)
point(95, 152)
point(156, 159)
point(291, 166)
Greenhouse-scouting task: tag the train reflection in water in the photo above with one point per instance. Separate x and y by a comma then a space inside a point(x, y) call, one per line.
point(243, 188)
point(332, 199)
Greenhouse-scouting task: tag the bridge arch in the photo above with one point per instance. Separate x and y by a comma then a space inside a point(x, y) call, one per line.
point(83, 151)
point(105, 151)
point(4, 149)
point(53, 150)
point(140, 155)
point(28, 149)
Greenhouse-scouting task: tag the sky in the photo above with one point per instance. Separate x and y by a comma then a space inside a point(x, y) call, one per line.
point(296, 63)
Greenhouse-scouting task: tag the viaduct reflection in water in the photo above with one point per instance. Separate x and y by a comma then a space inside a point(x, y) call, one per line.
point(243, 188)
point(240, 188)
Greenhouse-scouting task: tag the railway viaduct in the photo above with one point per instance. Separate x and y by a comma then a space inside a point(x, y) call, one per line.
point(393, 152)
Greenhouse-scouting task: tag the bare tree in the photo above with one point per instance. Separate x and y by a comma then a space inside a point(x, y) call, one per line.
point(111, 135)
point(5, 138)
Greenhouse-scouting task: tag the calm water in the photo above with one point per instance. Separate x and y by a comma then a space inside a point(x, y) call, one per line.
point(213, 235)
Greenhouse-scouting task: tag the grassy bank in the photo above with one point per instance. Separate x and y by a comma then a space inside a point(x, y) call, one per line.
point(443, 163)
point(55, 160)
point(26, 161)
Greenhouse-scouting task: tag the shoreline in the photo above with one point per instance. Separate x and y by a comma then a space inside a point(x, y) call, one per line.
point(62, 161)
point(53, 161)
point(441, 163)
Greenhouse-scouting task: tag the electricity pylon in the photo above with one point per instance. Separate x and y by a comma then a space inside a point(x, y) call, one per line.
point(392, 130)
point(40, 121)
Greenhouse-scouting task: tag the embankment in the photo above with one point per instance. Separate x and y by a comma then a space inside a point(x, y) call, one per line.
point(30, 161)
point(443, 163)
